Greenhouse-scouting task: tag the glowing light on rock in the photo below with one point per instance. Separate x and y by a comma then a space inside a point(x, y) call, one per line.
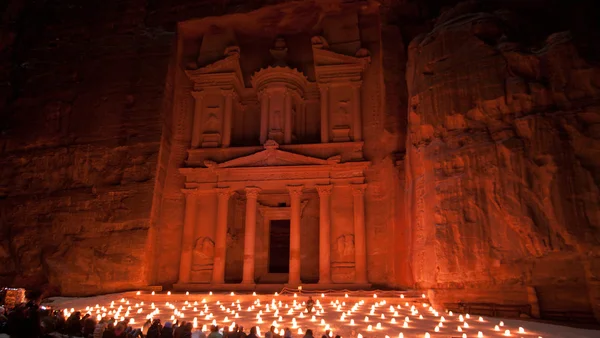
point(507, 333)
point(479, 334)
point(370, 328)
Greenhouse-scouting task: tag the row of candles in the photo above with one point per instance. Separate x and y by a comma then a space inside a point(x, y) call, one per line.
point(122, 309)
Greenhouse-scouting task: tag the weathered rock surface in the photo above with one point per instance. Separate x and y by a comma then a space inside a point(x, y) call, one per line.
point(496, 196)
point(502, 163)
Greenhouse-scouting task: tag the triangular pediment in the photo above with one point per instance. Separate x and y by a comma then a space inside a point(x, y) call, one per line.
point(272, 157)
point(325, 57)
point(230, 64)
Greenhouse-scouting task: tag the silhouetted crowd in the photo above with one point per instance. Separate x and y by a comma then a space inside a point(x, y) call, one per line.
point(32, 321)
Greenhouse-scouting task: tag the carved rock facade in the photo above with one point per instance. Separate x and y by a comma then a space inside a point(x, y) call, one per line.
point(157, 144)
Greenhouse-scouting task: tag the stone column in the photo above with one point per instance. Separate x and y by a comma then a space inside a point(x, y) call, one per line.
point(264, 117)
point(287, 120)
point(188, 236)
point(324, 233)
point(250, 234)
point(227, 115)
point(295, 194)
point(197, 121)
point(360, 238)
point(356, 113)
point(223, 195)
point(324, 113)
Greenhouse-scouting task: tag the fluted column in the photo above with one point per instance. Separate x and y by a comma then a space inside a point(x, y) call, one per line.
point(197, 121)
point(287, 122)
point(360, 239)
point(187, 237)
point(250, 235)
point(295, 195)
point(324, 233)
point(324, 113)
point(228, 111)
point(264, 116)
point(356, 113)
point(223, 195)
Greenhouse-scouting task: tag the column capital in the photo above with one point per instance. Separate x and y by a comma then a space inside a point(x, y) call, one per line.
point(252, 192)
point(324, 189)
point(323, 87)
point(228, 92)
point(198, 94)
point(358, 189)
point(295, 190)
point(224, 192)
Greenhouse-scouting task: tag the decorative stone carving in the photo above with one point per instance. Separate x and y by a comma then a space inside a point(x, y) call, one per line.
point(344, 252)
point(342, 76)
point(216, 86)
point(203, 254)
point(272, 156)
point(281, 93)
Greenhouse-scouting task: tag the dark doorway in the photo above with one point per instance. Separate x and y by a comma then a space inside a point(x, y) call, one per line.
point(279, 246)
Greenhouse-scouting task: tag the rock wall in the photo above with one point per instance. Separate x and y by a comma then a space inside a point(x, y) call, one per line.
point(82, 89)
point(503, 156)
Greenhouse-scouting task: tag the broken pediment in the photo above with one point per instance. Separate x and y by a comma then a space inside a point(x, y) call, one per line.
point(330, 65)
point(272, 156)
point(223, 72)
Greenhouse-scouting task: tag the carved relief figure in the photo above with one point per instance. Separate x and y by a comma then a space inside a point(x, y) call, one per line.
point(345, 248)
point(204, 251)
point(277, 123)
point(341, 117)
point(212, 122)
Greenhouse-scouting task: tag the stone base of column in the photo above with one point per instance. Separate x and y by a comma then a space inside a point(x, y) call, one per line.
point(206, 287)
point(265, 288)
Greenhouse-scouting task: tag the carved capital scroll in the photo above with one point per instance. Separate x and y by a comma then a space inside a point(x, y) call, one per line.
point(324, 189)
point(224, 192)
point(252, 192)
point(295, 190)
point(358, 189)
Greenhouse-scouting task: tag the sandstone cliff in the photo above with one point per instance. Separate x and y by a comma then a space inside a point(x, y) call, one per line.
point(503, 156)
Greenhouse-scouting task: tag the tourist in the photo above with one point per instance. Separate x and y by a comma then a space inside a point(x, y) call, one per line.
point(145, 327)
point(241, 333)
point(214, 332)
point(326, 334)
point(226, 332)
point(308, 334)
point(167, 331)
point(119, 331)
point(287, 333)
point(99, 329)
point(178, 330)
point(310, 303)
point(252, 333)
point(74, 324)
point(272, 333)
point(89, 326)
point(109, 332)
point(186, 332)
point(154, 330)
point(198, 334)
